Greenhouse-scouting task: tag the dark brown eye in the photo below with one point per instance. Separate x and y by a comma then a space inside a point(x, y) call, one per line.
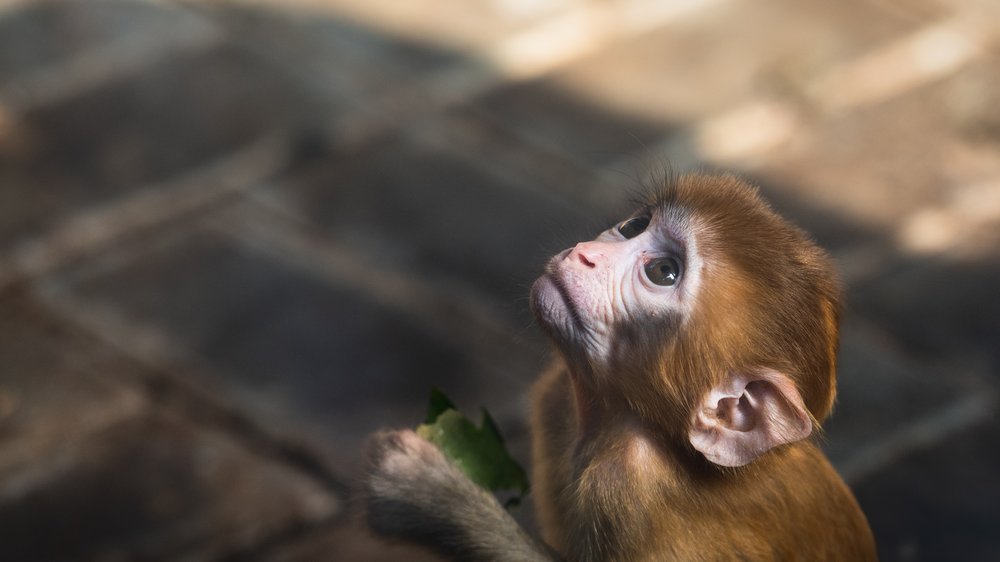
point(663, 271)
point(633, 227)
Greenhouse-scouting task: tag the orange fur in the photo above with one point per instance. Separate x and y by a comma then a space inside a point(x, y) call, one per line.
point(614, 475)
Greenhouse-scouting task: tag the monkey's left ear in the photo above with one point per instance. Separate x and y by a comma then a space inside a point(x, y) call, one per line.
point(747, 416)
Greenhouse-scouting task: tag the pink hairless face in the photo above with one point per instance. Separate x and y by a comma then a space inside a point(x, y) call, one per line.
point(643, 269)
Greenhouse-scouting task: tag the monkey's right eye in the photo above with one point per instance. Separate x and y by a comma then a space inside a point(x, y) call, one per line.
point(633, 227)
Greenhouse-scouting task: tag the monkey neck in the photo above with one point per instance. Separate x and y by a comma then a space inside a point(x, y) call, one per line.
point(605, 420)
point(584, 404)
point(596, 406)
point(600, 402)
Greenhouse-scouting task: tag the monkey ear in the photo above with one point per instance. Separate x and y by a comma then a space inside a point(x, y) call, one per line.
point(747, 416)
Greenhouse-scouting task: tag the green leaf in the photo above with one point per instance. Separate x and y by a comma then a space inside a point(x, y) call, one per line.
point(439, 403)
point(478, 451)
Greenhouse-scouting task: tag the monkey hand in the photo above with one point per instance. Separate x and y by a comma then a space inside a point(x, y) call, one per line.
point(414, 493)
point(408, 478)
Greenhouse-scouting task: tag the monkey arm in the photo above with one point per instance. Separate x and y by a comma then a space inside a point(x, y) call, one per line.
point(415, 494)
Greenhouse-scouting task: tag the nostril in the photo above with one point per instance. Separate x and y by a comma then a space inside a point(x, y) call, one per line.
point(580, 252)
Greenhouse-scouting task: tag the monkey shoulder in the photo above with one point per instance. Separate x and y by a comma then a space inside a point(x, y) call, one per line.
point(819, 513)
point(835, 511)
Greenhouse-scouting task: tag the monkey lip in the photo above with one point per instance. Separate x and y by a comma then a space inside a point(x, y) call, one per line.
point(542, 301)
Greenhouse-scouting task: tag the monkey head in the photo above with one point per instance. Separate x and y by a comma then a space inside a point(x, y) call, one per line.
point(704, 315)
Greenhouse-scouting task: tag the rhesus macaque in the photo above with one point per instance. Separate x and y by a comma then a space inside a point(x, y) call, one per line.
point(697, 345)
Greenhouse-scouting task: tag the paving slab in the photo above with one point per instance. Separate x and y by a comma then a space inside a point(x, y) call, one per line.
point(939, 503)
point(546, 114)
point(40, 34)
point(47, 398)
point(91, 468)
point(464, 130)
point(332, 55)
point(156, 486)
point(940, 306)
point(883, 390)
point(695, 67)
point(881, 164)
point(174, 115)
point(348, 542)
point(447, 24)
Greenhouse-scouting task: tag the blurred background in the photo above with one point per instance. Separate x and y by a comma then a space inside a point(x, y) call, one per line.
point(238, 236)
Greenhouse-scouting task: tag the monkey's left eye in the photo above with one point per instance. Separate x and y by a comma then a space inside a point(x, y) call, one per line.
point(633, 227)
point(663, 271)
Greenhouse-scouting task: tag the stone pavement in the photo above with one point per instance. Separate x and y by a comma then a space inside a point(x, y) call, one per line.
point(236, 236)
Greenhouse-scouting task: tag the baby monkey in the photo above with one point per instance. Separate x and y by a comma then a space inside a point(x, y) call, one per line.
point(697, 345)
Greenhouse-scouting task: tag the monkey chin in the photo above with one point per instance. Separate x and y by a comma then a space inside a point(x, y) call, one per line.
point(550, 305)
point(557, 314)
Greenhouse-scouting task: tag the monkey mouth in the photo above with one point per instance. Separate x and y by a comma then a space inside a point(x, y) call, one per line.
point(560, 311)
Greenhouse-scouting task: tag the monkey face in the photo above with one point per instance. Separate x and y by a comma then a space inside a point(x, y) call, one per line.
point(594, 297)
point(705, 313)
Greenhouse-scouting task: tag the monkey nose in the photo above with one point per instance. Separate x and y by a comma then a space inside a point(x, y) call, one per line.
point(586, 254)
